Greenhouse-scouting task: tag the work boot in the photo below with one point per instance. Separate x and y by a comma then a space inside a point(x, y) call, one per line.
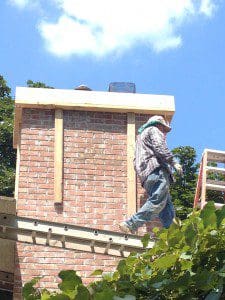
point(125, 228)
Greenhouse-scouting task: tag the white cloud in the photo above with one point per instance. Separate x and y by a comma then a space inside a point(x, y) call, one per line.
point(24, 4)
point(207, 7)
point(20, 3)
point(99, 27)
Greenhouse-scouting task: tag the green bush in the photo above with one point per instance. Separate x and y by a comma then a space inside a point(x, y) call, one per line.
point(187, 262)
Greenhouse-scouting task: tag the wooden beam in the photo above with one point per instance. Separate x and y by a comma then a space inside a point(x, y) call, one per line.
point(17, 126)
point(92, 100)
point(58, 157)
point(17, 163)
point(131, 175)
point(204, 177)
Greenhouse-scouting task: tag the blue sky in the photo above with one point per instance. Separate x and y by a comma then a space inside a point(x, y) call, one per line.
point(174, 47)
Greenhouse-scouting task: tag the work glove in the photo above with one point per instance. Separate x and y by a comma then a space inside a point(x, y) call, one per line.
point(178, 168)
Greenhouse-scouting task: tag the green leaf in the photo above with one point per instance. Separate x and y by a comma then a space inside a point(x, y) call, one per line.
point(208, 215)
point(122, 267)
point(82, 293)
point(220, 213)
point(45, 295)
point(116, 275)
point(29, 292)
point(165, 262)
point(145, 240)
point(108, 277)
point(158, 285)
point(59, 297)
point(186, 265)
point(191, 234)
point(127, 297)
point(70, 282)
point(97, 273)
point(104, 295)
point(186, 256)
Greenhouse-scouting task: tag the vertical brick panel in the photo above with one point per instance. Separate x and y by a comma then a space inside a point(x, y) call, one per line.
point(95, 168)
point(95, 182)
point(36, 180)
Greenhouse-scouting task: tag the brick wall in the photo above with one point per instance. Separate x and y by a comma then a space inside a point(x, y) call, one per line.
point(95, 186)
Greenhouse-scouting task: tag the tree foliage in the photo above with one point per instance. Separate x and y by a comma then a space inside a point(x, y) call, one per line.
point(183, 190)
point(7, 153)
point(186, 262)
point(38, 84)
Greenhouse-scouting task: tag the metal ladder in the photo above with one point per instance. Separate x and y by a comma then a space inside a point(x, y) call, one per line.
point(68, 236)
point(204, 183)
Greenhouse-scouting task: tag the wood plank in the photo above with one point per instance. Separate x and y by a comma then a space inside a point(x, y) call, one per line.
point(121, 102)
point(216, 182)
point(58, 157)
point(18, 163)
point(198, 187)
point(215, 187)
point(215, 169)
point(17, 123)
point(92, 101)
point(131, 175)
point(215, 155)
point(204, 176)
point(217, 205)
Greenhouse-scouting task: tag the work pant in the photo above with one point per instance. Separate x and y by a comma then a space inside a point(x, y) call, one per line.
point(158, 203)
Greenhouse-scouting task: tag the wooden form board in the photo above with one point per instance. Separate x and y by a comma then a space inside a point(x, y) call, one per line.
point(17, 165)
point(17, 126)
point(90, 100)
point(131, 175)
point(203, 193)
point(58, 157)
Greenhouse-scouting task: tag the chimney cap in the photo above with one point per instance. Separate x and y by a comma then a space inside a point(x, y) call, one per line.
point(83, 87)
point(122, 87)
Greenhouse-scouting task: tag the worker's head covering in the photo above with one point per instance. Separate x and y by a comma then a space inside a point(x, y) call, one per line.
point(154, 121)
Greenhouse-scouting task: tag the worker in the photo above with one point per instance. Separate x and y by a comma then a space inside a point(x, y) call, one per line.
point(153, 164)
